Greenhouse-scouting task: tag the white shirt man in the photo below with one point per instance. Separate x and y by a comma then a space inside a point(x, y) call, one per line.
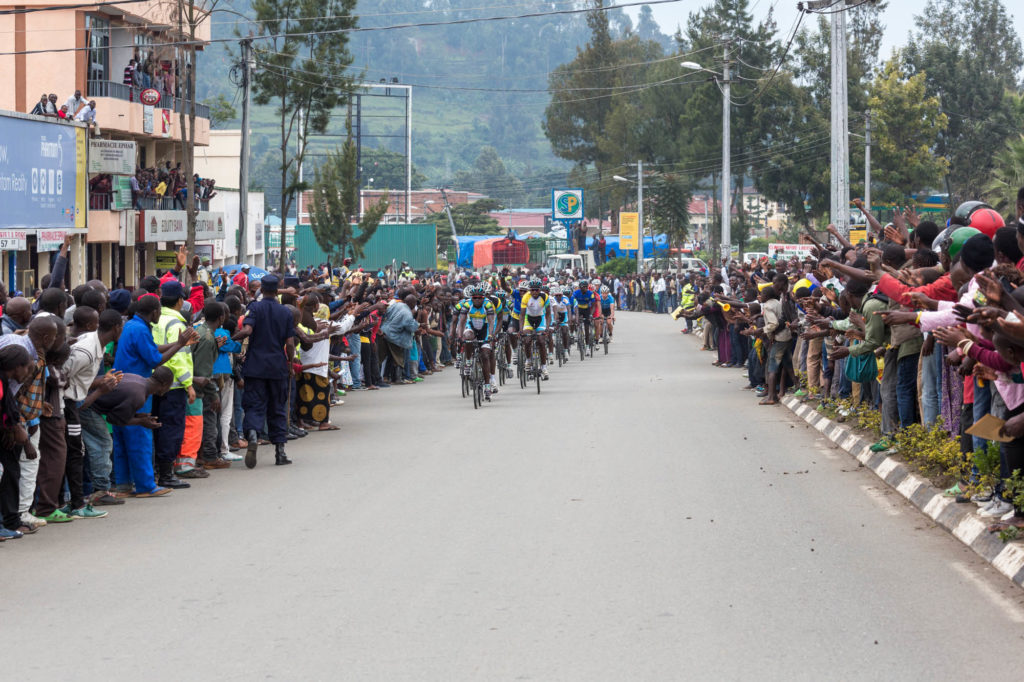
point(87, 114)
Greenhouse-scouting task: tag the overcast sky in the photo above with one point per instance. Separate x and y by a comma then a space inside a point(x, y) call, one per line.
point(899, 16)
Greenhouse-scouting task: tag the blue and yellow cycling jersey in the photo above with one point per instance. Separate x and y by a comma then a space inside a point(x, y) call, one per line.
point(583, 299)
point(561, 307)
point(533, 307)
point(476, 316)
point(498, 302)
point(462, 306)
point(517, 300)
point(606, 302)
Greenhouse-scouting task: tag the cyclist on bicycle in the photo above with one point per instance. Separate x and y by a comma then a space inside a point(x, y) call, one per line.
point(585, 302)
point(478, 323)
point(607, 315)
point(455, 339)
point(536, 309)
point(561, 311)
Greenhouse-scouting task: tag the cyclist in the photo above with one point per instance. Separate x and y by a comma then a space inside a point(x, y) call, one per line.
point(535, 311)
point(585, 301)
point(455, 340)
point(607, 315)
point(478, 323)
point(561, 311)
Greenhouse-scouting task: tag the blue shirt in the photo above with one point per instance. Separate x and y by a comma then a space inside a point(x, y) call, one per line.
point(272, 325)
point(583, 299)
point(222, 365)
point(136, 350)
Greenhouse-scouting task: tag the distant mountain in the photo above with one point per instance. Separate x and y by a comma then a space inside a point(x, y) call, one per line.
point(480, 84)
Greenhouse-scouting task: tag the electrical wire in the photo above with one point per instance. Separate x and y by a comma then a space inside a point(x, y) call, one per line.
point(785, 54)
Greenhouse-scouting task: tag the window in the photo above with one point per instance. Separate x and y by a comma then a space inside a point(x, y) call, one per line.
point(98, 40)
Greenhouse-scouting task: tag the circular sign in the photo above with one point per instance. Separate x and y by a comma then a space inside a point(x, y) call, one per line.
point(149, 96)
point(568, 203)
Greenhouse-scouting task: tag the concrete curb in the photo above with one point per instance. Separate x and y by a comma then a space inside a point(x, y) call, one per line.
point(959, 519)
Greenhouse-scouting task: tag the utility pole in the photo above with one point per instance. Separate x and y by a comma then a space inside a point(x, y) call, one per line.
point(408, 152)
point(243, 176)
point(640, 216)
point(451, 223)
point(726, 159)
point(867, 161)
point(839, 211)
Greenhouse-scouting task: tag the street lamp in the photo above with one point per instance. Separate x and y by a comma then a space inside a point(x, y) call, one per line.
point(726, 152)
point(639, 212)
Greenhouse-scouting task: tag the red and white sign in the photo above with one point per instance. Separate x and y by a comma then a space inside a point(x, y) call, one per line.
point(788, 250)
point(149, 96)
point(165, 122)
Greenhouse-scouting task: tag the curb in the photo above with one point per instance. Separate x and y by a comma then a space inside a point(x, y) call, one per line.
point(959, 519)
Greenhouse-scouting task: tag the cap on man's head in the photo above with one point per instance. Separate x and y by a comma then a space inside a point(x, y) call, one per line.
point(120, 299)
point(243, 266)
point(206, 259)
point(269, 283)
point(171, 289)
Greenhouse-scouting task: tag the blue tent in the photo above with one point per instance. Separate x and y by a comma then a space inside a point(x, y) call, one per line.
point(653, 246)
point(254, 272)
point(467, 246)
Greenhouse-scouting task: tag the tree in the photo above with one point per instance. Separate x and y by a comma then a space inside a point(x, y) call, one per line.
point(1007, 177)
point(335, 204)
point(667, 206)
point(469, 219)
point(303, 62)
point(489, 176)
point(189, 16)
point(221, 111)
point(387, 169)
point(971, 55)
point(908, 124)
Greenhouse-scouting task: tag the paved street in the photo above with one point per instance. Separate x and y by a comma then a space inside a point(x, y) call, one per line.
point(641, 519)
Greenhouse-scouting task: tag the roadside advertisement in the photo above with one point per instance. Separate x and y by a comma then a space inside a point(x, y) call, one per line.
point(116, 157)
point(566, 205)
point(789, 250)
point(13, 240)
point(42, 174)
point(50, 240)
point(172, 226)
point(858, 236)
point(165, 122)
point(629, 231)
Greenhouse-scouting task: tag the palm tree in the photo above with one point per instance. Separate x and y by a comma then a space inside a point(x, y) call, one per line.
point(1007, 176)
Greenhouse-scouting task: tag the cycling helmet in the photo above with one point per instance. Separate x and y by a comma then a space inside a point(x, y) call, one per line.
point(486, 286)
point(476, 291)
point(605, 290)
point(534, 283)
point(522, 285)
point(583, 284)
point(555, 290)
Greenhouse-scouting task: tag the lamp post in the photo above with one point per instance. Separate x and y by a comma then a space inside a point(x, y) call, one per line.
point(639, 211)
point(726, 151)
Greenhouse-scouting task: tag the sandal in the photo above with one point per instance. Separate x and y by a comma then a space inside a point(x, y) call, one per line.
point(156, 492)
point(330, 427)
point(768, 401)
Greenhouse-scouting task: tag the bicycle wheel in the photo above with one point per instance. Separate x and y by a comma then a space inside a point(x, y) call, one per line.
point(579, 341)
point(475, 381)
point(536, 368)
point(558, 348)
point(604, 339)
point(521, 365)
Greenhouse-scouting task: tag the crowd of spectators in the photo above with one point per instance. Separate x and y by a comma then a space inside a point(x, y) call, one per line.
point(111, 394)
point(923, 324)
point(161, 187)
point(76, 108)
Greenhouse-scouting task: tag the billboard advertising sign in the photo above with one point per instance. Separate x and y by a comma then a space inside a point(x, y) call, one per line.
point(42, 174)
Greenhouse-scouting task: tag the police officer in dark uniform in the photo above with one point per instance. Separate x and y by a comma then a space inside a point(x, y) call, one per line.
point(270, 328)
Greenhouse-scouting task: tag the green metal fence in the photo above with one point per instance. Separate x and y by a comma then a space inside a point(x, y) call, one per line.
point(414, 244)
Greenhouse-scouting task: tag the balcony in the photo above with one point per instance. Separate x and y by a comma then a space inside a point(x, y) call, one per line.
point(129, 93)
point(118, 109)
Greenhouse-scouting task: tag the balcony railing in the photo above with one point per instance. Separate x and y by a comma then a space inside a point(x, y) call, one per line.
point(103, 201)
point(130, 93)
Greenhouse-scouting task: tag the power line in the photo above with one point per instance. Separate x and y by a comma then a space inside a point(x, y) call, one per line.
point(87, 5)
point(371, 29)
point(785, 54)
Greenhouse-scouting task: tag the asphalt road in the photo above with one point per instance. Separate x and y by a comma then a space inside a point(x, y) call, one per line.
point(641, 519)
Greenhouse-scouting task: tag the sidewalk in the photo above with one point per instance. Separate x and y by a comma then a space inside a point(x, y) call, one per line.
point(961, 520)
